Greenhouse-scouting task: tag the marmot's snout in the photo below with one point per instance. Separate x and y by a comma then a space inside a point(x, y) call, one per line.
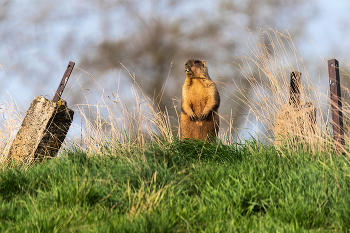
point(188, 70)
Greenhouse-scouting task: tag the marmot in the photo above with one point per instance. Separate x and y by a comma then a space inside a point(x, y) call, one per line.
point(200, 103)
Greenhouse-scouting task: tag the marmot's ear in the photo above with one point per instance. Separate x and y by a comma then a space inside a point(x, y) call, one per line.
point(203, 63)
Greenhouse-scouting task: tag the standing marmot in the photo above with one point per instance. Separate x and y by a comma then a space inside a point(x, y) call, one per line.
point(199, 104)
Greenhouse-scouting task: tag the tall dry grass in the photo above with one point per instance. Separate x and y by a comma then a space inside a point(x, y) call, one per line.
point(120, 122)
point(267, 67)
point(11, 117)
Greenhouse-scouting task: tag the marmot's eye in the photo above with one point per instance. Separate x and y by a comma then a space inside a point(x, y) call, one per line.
point(196, 62)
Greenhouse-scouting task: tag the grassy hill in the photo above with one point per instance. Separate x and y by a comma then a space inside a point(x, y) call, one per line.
point(179, 187)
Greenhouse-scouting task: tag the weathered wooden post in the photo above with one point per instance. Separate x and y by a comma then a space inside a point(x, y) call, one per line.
point(44, 127)
point(294, 90)
point(296, 118)
point(336, 104)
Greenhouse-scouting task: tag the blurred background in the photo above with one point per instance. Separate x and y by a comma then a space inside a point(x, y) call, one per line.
point(111, 41)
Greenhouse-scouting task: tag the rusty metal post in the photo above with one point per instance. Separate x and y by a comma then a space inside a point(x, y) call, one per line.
point(63, 82)
point(336, 104)
point(295, 84)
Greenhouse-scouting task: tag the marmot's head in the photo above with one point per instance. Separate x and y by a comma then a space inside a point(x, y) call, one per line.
point(196, 69)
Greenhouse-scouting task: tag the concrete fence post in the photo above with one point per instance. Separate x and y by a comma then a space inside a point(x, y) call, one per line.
point(44, 127)
point(297, 118)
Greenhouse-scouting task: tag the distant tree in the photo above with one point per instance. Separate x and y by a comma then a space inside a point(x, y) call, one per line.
point(3, 9)
point(162, 32)
point(145, 36)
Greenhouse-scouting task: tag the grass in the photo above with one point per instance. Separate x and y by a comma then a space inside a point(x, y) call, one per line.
point(186, 187)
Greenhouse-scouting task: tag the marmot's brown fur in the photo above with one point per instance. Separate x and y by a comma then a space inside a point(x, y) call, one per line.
point(199, 104)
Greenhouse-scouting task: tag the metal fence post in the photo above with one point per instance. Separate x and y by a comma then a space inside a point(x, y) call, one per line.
point(336, 104)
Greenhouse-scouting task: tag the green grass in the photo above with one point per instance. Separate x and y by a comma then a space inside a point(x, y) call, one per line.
point(179, 187)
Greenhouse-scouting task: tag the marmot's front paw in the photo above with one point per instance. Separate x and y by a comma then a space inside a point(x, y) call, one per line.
point(193, 117)
point(203, 116)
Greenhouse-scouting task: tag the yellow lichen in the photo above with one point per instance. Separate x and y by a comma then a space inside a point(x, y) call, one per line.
point(59, 103)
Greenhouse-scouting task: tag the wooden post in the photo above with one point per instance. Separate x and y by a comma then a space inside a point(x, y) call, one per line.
point(336, 104)
point(295, 84)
